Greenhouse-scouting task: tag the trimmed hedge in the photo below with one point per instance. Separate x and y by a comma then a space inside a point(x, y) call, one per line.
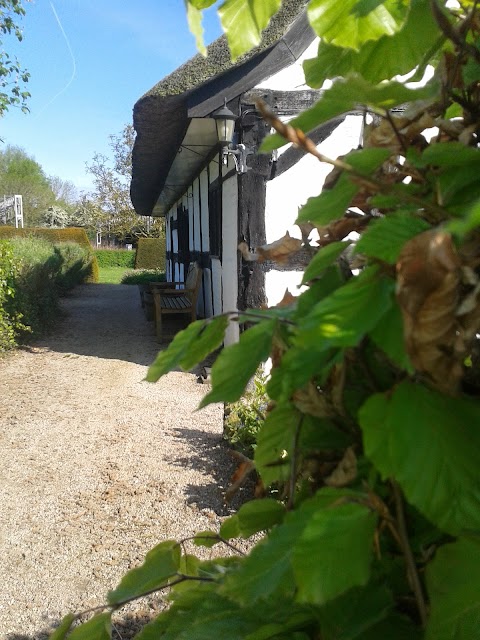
point(143, 276)
point(71, 234)
point(151, 254)
point(115, 258)
point(34, 272)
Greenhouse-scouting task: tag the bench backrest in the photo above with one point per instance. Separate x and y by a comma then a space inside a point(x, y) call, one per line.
point(193, 280)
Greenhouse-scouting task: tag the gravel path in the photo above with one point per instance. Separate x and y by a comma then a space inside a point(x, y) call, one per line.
point(97, 465)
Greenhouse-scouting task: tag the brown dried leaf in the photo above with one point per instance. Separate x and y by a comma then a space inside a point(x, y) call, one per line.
point(306, 229)
point(287, 300)
point(280, 250)
point(312, 401)
point(247, 255)
point(428, 279)
point(345, 472)
point(339, 229)
point(240, 476)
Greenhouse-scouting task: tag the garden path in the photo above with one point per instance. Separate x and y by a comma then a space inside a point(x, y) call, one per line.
point(97, 465)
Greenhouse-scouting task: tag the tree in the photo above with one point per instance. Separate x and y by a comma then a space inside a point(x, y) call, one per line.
point(21, 174)
point(369, 454)
point(12, 77)
point(111, 196)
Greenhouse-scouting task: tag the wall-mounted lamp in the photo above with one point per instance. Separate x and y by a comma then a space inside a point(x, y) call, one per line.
point(225, 123)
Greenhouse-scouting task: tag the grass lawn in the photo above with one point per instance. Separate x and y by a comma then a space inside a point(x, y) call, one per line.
point(111, 275)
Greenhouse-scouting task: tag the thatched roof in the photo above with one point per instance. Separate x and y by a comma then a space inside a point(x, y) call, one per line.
point(162, 116)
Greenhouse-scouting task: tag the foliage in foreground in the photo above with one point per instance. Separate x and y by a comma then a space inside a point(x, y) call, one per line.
point(372, 441)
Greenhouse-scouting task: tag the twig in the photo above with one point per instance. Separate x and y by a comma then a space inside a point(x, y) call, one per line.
point(407, 552)
point(298, 137)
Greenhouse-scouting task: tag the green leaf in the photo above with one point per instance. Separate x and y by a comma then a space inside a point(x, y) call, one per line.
point(395, 627)
point(98, 628)
point(274, 444)
point(349, 313)
point(323, 259)
point(340, 540)
point(194, 17)
point(243, 22)
point(470, 221)
point(418, 428)
point(206, 539)
point(161, 563)
point(384, 238)
point(267, 570)
point(378, 60)
point(230, 528)
point(347, 94)
point(259, 515)
point(63, 628)
point(318, 434)
point(450, 154)
point(332, 203)
point(189, 347)
point(351, 23)
point(237, 363)
point(201, 4)
point(388, 336)
point(453, 580)
point(357, 610)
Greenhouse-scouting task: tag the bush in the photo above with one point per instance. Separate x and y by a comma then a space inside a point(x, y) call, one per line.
point(74, 267)
point(151, 254)
point(72, 234)
point(244, 418)
point(10, 321)
point(115, 258)
point(143, 276)
point(36, 292)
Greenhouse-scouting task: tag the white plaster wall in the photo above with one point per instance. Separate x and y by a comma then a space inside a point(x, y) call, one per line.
point(204, 210)
point(229, 255)
point(289, 191)
point(196, 215)
point(292, 78)
point(217, 286)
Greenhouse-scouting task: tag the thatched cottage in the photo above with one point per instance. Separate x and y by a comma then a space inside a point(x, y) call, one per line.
point(210, 201)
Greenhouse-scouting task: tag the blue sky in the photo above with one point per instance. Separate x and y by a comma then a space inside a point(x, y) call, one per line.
point(90, 60)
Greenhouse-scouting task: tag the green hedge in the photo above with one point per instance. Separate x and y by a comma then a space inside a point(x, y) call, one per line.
point(34, 272)
point(143, 276)
point(115, 258)
point(150, 254)
point(72, 234)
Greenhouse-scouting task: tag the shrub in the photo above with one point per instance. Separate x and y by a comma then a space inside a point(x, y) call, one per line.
point(143, 276)
point(115, 258)
point(244, 418)
point(10, 320)
point(36, 292)
point(150, 254)
point(72, 234)
point(74, 267)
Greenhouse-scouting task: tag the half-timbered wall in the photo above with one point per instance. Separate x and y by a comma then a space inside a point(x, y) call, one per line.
point(290, 190)
point(209, 208)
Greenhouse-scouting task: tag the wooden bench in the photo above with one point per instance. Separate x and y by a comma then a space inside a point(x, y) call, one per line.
point(169, 300)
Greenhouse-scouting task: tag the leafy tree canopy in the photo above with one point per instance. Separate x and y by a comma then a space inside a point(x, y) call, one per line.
point(21, 174)
point(12, 76)
point(108, 208)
